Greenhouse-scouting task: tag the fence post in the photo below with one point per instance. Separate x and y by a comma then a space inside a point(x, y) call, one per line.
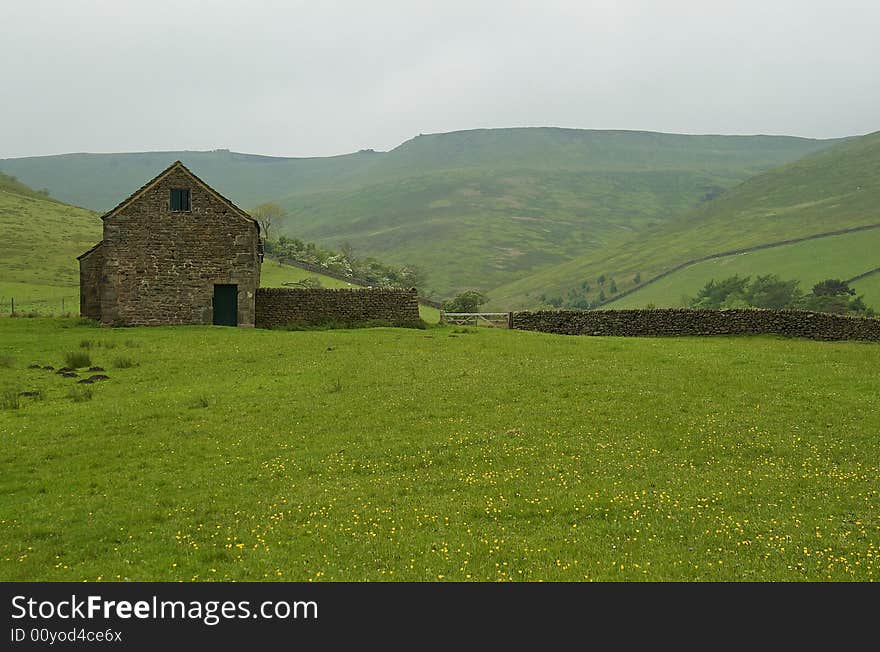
point(510, 320)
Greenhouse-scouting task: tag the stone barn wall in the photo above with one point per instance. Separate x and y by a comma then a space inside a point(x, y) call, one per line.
point(278, 307)
point(91, 268)
point(682, 322)
point(161, 266)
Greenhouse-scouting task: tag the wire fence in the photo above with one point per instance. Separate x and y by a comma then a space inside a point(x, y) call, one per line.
point(24, 306)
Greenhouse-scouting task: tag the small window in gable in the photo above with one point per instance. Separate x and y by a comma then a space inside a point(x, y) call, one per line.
point(180, 200)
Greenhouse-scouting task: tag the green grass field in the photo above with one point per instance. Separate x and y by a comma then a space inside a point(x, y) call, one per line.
point(444, 454)
point(870, 287)
point(843, 256)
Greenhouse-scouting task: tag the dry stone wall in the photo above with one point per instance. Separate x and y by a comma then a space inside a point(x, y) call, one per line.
point(683, 322)
point(279, 307)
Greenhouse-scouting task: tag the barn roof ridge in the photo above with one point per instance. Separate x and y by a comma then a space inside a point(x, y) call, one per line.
point(178, 164)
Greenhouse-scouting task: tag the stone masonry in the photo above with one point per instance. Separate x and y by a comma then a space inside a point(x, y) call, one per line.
point(158, 266)
point(91, 266)
point(279, 307)
point(683, 322)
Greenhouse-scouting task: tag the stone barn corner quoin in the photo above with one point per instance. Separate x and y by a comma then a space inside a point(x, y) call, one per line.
point(174, 252)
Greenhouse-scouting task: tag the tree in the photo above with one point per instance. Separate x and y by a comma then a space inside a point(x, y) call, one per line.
point(715, 293)
point(834, 295)
point(832, 287)
point(268, 215)
point(467, 301)
point(772, 292)
point(825, 303)
point(348, 251)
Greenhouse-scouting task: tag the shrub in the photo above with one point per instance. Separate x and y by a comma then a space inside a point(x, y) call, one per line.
point(77, 359)
point(123, 362)
point(468, 301)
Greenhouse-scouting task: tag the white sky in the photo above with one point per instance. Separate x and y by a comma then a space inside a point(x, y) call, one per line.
point(327, 77)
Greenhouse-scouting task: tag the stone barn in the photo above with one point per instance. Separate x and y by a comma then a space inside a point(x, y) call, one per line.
point(174, 252)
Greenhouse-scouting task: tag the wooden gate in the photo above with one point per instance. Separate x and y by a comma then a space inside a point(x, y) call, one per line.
point(489, 319)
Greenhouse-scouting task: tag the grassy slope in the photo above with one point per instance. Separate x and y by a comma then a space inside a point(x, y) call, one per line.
point(474, 208)
point(40, 241)
point(275, 275)
point(870, 288)
point(835, 189)
point(843, 256)
point(655, 459)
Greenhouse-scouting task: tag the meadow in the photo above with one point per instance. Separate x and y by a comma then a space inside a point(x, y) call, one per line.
point(438, 454)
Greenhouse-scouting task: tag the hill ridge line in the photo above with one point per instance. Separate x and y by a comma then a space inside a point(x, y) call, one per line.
point(745, 250)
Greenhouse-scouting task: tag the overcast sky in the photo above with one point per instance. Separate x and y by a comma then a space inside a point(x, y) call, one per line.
point(320, 78)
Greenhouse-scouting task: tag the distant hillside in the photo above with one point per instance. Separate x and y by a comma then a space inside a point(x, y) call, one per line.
point(100, 181)
point(811, 261)
point(472, 208)
point(12, 185)
point(40, 241)
point(835, 189)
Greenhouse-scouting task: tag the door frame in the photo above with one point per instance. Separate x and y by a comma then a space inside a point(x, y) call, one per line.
point(234, 313)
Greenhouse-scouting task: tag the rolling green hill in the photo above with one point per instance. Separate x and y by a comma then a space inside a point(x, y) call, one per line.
point(100, 181)
point(842, 256)
point(41, 239)
point(835, 189)
point(473, 208)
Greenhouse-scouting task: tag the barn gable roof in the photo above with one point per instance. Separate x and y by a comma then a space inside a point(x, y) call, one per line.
point(177, 165)
point(86, 253)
